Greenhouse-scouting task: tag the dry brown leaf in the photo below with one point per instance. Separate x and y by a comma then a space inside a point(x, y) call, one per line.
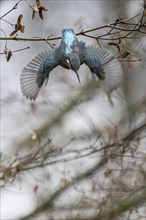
point(38, 2)
point(41, 14)
point(39, 8)
point(13, 33)
point(36, 8)
point(22, 29)
point(19, 19)
point(18, 26)
point(8, 55)
point(33, 14)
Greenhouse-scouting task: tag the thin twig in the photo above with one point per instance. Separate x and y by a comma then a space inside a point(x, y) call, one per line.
point(13, 51)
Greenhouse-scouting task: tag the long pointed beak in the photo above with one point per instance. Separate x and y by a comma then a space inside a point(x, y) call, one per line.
point(77, 74)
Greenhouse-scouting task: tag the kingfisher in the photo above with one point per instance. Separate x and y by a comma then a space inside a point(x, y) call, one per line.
point(71, 54)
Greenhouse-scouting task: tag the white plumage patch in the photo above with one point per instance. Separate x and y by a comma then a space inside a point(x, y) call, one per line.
point(68, 37)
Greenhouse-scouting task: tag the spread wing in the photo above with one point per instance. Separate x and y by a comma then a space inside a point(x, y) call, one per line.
point(37, 72)
point(103, 64)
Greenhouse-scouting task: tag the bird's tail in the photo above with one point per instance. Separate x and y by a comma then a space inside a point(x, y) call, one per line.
point(32, 77)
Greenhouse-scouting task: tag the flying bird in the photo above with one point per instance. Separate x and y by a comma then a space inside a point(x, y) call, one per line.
point(70, 54)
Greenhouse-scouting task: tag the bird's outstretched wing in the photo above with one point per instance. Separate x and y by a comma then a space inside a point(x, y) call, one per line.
point(103, 64)
point(37, 72)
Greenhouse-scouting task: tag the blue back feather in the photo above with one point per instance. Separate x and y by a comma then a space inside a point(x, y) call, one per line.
point(68, 38)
